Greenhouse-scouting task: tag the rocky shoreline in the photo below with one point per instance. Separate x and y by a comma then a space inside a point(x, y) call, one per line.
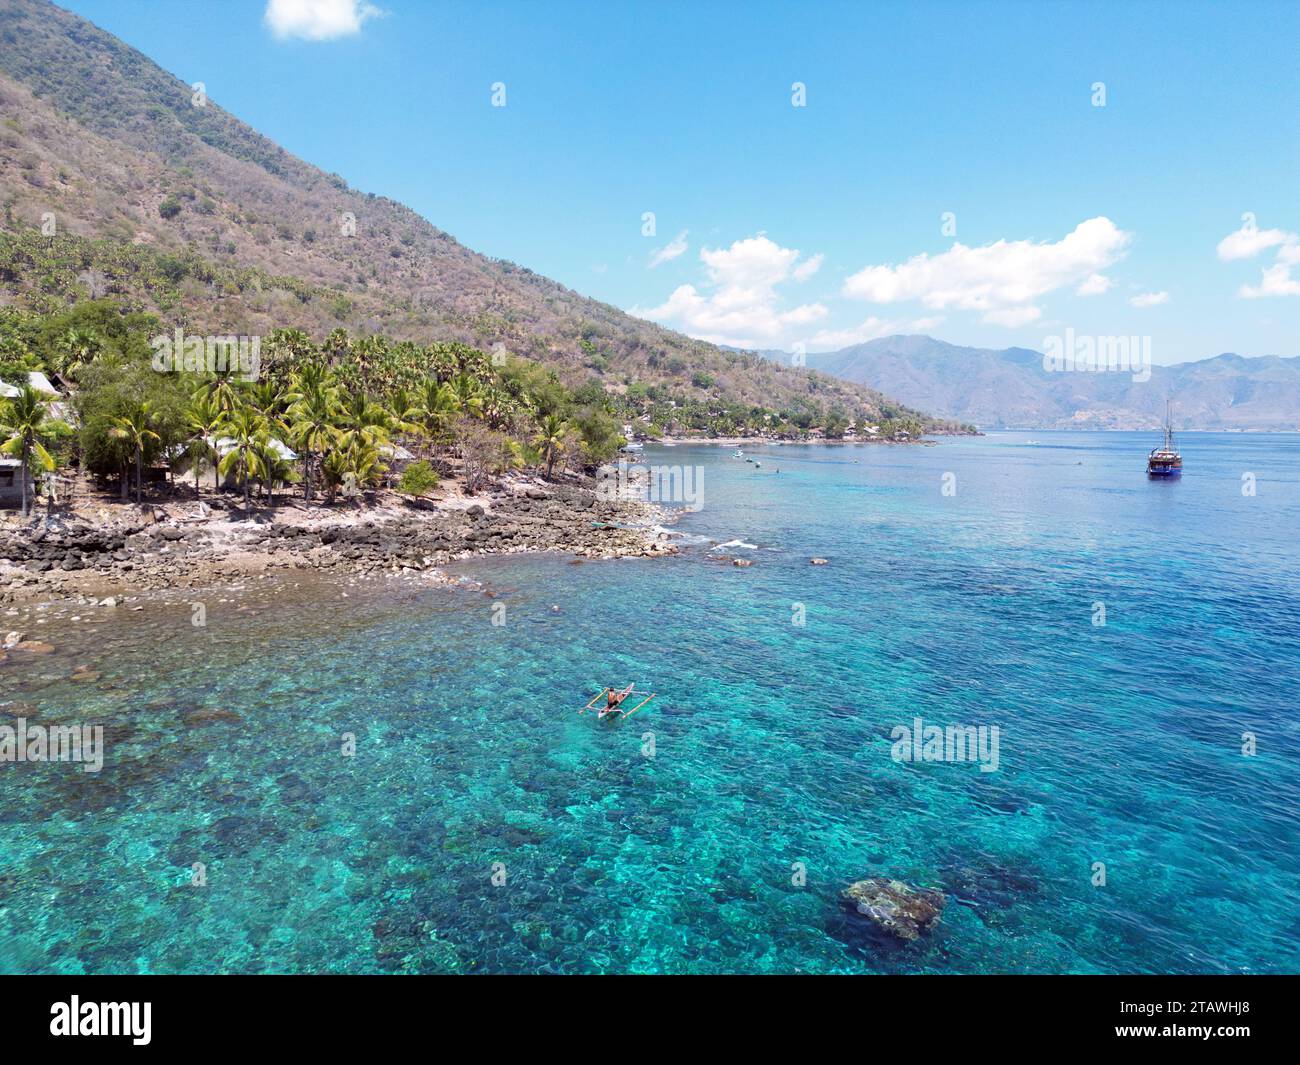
point(192, 545)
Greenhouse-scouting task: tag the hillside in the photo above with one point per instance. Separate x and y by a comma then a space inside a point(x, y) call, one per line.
point(1010, 388)
point(186, 211)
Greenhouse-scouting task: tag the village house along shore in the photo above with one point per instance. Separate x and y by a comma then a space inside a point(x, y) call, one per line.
point(107, 551)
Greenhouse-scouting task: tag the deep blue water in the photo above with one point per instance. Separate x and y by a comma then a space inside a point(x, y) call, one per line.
point(1119, 744)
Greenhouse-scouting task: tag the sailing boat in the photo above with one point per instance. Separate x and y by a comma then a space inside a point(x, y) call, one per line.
point(1165, 461)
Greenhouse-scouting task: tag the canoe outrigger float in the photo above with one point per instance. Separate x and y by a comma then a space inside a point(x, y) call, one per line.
point(623, 694)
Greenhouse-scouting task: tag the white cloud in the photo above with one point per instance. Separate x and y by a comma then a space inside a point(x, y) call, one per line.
point(670, 251)
point(1247, 243)
point(1094, 286)
point(1001, 280)
point(743, 307)
point(871, 329)
point(318, 20)
point(1276, 280)
point(1149, 299)
point(808, 267)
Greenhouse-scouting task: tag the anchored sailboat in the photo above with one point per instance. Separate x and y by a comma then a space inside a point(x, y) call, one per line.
point(1165, 461)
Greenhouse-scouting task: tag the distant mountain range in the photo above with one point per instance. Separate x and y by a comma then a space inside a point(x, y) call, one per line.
point(1011, 389)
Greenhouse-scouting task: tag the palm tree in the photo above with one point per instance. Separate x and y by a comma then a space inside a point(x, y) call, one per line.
point(134, 429)
point(436, 409)
point(405, 409)
point(246, 437)
point(73, 350)
point(267, 398)
point(313, 409)
point(205, 417)
point(333, 472)
point(550, 439)
point(469, 394)
point(364, 421)
point(195, 452)
point(225, 388)
point(271, 467)
point(23, 427)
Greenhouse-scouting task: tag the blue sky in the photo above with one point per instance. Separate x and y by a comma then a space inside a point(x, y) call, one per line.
point(824, 224)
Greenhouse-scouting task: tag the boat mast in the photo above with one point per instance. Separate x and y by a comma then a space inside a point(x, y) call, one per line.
point(1169, 425)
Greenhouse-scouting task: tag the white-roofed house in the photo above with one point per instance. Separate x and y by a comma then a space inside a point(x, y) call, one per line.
point(39, 382)
point(11, 482)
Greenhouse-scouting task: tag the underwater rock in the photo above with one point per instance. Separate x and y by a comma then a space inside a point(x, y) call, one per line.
point(206, 715)
point(36, 647)
point(13, 639)
point(894, 907)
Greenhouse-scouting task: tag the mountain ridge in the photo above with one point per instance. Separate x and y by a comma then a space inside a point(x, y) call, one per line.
point(1009, 388)
point(168, 203)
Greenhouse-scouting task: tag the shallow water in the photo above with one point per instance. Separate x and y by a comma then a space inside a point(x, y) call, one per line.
point(666, 843)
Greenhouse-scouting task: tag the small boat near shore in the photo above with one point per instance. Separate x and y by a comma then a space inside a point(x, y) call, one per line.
point(1165, 460)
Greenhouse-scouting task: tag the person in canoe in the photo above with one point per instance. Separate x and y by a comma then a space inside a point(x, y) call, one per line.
point(613, 697)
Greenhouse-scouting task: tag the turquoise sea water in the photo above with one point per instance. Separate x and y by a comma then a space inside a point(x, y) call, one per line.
point(666, 843)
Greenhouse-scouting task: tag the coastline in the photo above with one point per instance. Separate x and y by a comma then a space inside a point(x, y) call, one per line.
point(111, 553)
point(763, 441)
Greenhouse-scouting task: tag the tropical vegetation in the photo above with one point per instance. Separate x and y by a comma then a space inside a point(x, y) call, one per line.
point(342, 416)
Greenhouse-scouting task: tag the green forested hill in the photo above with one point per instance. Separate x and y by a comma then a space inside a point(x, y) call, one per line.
point(186, 211)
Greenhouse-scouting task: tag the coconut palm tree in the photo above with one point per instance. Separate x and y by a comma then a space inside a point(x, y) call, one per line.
point(272, 467)
point(246, 437)
point(314, 407)
point(134, 430)
point(436, 409)
point(204, 418)
point(267, 399)
point(365, 421)
point(225, 388)
point(469, 395)
point(550, 440)
point(405, 409)
point(23, 429)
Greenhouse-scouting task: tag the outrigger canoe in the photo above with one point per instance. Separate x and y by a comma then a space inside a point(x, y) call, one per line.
point(626, 693)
